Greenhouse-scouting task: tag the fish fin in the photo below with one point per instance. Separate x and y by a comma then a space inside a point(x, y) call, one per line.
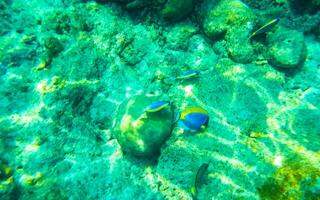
point(180, 124)
point(177, 118)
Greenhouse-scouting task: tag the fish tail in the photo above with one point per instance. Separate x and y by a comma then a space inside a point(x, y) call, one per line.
point(177, 118)
point(194, 193)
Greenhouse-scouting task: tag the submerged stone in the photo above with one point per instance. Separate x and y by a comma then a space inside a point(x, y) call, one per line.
point(287, 48)
point(238, 46)
point(140, 133)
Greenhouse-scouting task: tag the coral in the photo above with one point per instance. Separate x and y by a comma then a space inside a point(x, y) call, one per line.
point(78, 130)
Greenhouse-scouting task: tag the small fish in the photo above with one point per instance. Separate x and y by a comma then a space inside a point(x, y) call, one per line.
point(265, 28)
point(193, 119)
point(188, 74)
point(156, 106)
point(198, 180)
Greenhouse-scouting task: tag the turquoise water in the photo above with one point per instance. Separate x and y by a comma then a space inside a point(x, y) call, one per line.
point(137, 99)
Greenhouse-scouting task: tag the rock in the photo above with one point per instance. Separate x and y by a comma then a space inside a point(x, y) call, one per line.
point(232, 21)
point(241, 52)
point(287, 48)
point(142, 134)
point(53, 46)
point(177, 9)
point(179, 36)
point(226, 17)
point(57, 21)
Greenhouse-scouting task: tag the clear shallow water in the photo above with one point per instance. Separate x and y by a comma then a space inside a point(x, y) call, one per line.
point(76, 78)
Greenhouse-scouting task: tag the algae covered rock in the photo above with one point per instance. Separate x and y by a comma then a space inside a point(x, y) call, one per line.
point(238, 47)
point(179, 36)
point(140, 133)
point(287, 48)
point(53, 46)
point(225, 17)
point(177, 9)
point(232, 21)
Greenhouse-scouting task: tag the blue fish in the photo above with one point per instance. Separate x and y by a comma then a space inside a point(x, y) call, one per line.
point(265, 28)
point(188, 74)
point(156, 106)
point(193, 119)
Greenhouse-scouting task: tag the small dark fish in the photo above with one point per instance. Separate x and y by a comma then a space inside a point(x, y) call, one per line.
point(265, 28)
point(198, 179)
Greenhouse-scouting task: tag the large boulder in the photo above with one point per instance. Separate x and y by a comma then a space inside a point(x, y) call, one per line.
point(139, 133)
point(287, 48)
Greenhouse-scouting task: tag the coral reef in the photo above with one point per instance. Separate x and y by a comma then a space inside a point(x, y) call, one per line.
point(77, 77)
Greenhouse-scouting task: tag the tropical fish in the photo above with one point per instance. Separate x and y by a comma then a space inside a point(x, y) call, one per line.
point(198, 180)
point(188, 74)
point(156, 106)
point(265, 28)
point(193, 119)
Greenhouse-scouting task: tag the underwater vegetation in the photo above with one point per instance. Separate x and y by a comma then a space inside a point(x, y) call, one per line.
point(160, 99)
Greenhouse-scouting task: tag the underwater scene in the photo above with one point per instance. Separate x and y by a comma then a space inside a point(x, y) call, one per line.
point(160, 100)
